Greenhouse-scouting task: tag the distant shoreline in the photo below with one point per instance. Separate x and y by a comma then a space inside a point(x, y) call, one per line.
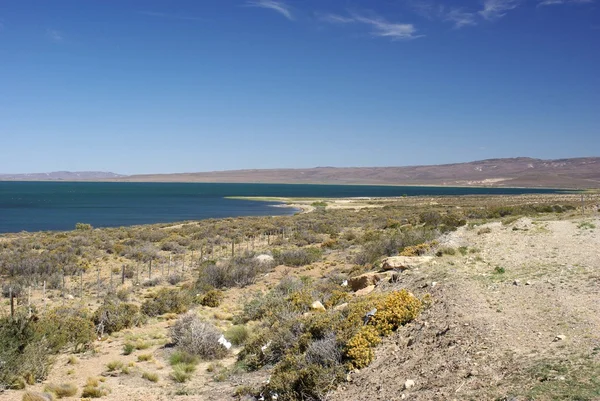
point(558, 189)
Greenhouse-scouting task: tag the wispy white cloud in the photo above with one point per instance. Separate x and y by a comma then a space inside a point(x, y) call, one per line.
point(170, 16)
point(493, 9)
point(554, 2)
point(434, 11)
point(278, 6)
point(380, 27)
point(335, 19)
point(54, 35)
point(460, 18)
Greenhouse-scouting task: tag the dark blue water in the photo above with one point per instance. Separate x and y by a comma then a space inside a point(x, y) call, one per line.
point(37, 206)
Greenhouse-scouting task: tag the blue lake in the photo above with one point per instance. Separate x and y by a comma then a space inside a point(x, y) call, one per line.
point(38, 206)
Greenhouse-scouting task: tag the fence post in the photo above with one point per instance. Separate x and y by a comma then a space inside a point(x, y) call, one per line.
point(12, 303)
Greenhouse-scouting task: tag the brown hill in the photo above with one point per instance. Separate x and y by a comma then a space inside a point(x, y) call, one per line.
point(513, 172)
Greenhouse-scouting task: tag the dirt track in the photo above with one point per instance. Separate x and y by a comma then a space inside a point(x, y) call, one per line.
point(491, 335)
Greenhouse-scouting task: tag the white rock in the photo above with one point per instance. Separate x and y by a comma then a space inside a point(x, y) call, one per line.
point(404, 262)
point(409, 384)
point(317, 305)
point(264, 258)
point(345, 283)
point(560, 337)
point(223, 341)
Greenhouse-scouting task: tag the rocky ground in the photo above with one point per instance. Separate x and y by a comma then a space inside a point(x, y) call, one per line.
point(517, 317)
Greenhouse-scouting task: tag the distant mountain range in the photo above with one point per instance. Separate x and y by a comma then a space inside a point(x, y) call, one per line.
point(60, 176)
point(512, 172)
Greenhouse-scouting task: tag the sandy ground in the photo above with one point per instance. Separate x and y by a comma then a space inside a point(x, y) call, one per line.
point(488, 334)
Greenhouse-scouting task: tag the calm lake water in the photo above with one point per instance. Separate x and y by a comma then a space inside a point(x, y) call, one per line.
point(37, 206)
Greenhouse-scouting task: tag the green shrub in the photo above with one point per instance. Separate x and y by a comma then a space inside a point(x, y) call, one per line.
point(182, 372)
point(114, 365)
point(66, 327)
point(212, 298)
point(297, 257)
point(167, 300)
point(128, 348)
point(179, 356)
point(237, 335)
point(115, 316)
point(144, 357)
point(92, 389)
point(153, 377)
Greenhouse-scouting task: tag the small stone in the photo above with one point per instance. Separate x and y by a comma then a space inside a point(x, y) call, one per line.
point(516, 282)
point(560, 337)
point(561, 378)
point(348, 378)
point(528, 283)
point(433, 284)
point(317, 305)
point(403, 396)
point(409, 384)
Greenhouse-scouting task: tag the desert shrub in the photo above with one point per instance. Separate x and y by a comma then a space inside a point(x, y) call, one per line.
point(211, 298)
point(144, 357)
point(182, 372)
point(167, 300)
point(152, 282)
point(359, 348)
point(128, 348)
point(65, 327)
point(445, 251)
point(115, 316)
point(15, 289)
point(294, 378)
point(297, 257)
point(174, 279)
point(172, 246)
point(83, 226)
point(32, 396)
point(61, 390)
point(114, 365)
point(179, 356)
point(237, 334)
point(416, 250)
point(92, 389)
point(311, 352)
point(123, 294)
point(25, 356)
point(238, 272)
point(389, 244)
point(153, 377)
point(197, 337)
point(324, 352)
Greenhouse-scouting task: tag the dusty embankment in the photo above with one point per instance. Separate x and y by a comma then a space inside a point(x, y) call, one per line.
point(517, 317)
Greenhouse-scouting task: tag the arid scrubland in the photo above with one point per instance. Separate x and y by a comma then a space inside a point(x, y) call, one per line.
point(483, 298)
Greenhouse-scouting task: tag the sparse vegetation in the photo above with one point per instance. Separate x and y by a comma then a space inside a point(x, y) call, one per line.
point(150, 376)
point(197, 337)
point(306, 352)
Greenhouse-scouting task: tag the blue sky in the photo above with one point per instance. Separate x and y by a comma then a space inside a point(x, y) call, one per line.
point(180, 86)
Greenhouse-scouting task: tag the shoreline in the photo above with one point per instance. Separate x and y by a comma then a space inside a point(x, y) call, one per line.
point(569, 189)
